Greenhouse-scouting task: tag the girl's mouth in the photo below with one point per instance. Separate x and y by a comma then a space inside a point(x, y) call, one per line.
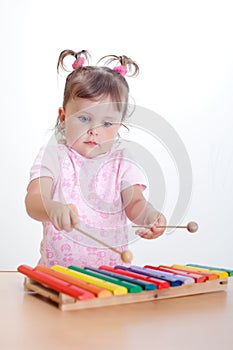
point(90, 143)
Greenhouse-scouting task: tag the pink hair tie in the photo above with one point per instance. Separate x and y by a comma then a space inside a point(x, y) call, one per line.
point(78, 63)
point(122, 70)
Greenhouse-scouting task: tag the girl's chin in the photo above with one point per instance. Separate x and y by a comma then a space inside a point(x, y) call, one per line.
point(91, 151)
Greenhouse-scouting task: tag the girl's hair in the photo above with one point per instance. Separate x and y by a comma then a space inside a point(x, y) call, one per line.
point(93, 82)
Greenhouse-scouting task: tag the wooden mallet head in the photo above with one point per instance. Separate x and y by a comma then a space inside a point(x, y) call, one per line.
point(127, 256)
point(192, 227)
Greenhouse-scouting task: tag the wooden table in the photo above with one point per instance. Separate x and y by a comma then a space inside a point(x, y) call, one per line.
point(187, 323)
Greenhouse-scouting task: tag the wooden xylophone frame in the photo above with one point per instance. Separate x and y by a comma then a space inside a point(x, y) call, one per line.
point(67, 303)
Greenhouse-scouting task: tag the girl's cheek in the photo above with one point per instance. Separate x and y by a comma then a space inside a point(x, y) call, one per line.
point(113, 133)
point(72, 136)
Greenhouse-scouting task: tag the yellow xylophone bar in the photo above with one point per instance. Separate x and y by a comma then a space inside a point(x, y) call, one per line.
point(220, 274)
point(114, 288)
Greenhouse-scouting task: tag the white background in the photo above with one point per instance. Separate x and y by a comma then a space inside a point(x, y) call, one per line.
point(184, 49)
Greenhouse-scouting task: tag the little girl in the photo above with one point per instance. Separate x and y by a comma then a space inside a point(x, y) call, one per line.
point(86, 179)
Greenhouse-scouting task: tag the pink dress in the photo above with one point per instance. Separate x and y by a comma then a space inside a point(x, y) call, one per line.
point(94, 186)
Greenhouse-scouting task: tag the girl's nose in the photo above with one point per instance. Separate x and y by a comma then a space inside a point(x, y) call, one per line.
point(92, 131)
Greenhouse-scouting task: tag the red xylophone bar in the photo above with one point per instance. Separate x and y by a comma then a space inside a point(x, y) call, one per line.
point(55, 283)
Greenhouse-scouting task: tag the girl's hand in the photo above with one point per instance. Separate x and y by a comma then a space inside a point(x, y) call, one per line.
point(153, 231)
point(63, 216)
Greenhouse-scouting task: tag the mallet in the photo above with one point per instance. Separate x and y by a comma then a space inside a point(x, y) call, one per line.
point(126, 256)
point(191, 226)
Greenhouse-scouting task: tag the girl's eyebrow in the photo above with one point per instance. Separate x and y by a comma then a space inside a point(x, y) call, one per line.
point(109, 117)
point(84, 112)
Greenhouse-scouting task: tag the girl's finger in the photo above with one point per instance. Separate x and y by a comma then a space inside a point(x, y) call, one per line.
point(144, 233)
point(74, 219)
point(141, 231)
point(73, 208)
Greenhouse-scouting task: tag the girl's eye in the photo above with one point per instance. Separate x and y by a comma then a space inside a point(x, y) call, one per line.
point(84, 118)
point(107, 124)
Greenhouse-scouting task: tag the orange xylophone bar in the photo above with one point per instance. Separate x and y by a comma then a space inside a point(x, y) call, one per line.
point(98, 291)
point(209, 275)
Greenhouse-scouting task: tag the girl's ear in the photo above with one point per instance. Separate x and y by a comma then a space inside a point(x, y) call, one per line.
point(61, 114)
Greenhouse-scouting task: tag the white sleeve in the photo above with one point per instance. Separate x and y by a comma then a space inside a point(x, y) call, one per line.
point(132, 173)
point(46, 163)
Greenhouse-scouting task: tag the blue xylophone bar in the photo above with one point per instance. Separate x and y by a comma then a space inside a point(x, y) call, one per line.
point(174, 281)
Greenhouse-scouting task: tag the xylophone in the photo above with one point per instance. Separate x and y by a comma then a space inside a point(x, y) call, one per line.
point(76, 288)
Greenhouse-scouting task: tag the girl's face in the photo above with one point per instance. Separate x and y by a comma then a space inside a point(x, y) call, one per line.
point(91, 126)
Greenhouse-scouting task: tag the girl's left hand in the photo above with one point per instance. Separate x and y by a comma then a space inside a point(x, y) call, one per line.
point(153, 231)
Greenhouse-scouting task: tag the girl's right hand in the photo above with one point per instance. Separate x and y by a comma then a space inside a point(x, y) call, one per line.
point(63, 216)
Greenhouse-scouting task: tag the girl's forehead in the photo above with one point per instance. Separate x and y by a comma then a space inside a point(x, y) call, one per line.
point(103, 105)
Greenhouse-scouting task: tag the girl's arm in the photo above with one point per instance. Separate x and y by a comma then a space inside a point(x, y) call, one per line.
point(40, 206)
point(141, 212)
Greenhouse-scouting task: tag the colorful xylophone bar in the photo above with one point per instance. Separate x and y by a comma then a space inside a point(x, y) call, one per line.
point(77, 288)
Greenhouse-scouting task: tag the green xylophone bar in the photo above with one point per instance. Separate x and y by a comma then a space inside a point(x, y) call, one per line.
point(132, 288)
